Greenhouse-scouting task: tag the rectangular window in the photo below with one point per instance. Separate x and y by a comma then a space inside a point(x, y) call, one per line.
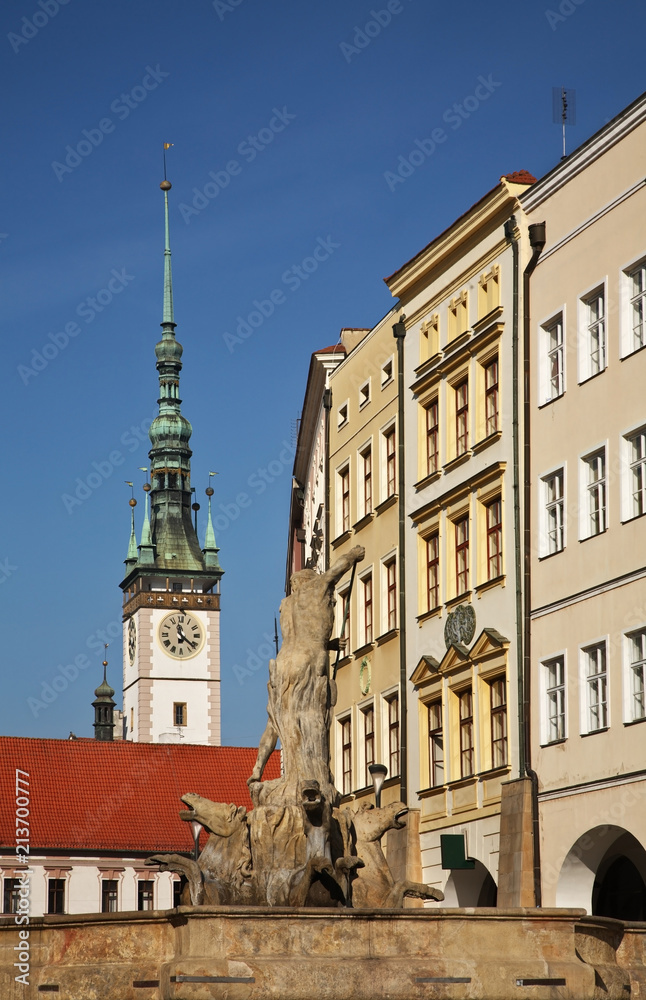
point(366, 475)
point(366, 585)
point(145, 889)
point(435, 744)
point(391, 594)
point(178, 886)
point(179, 713)
point(346, 754)
point(462, 556)
point(391, 464)
point(498, 708)
point(595, 321)
point(555, 358)
point(494, 539)
point(466, 733)
point(364, 394)
point(109, 895)
point(491, 397)
point(637, 670)
point(393, 735)
point(368, 742)
point(554, 510)
point(433, 572)
point(342, 416)
point(11, 896)
point(344, 620)
point(637, 291)
point(461, 418)
point(387, 373)
point(344, 483)
point(596, 682)
point(637, 475)
point(56, 895)
point(432, 438)
point(595, 476)
point(554, 671)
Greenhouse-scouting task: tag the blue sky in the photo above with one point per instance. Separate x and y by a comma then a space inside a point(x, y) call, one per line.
point(332, 95)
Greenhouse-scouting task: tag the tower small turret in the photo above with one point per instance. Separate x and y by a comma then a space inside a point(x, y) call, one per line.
point(104, 706)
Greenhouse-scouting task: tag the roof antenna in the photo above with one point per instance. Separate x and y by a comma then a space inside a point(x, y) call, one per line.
point(563, 109)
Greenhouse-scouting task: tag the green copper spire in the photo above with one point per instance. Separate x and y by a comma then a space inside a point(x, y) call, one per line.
point(146, 549)
point(131, 558)
point(168, 275)
point(210, 549)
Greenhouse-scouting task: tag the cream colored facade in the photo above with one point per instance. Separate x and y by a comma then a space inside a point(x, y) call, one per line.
point(588, 474)
point(461, 534)
point(364, 511)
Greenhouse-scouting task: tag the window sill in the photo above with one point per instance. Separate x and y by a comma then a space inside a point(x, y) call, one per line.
point(588, 537)
point(595, 732)
point(385, 504)
point(363, 650)
point(389, 381)
point(635, 722)
point(458, 460)
point(431, 613)
point(428, 363)
point(469, 779)
point(345, 660)
point(460, 599)
point(630, 354)
point(554, 743)
point(588, 378)
point(340, 539)
point(497, 581)
point(362, 522)
point(548, 402)
point(427, 480)
point(426, 793)
point(548, 555)
point(485, 442)
point(387, 636)
point(457, 342)
point(633, 517)
point(488, 320)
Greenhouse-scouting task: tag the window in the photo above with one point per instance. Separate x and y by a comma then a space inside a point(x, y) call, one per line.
point(494, 539)
point(342, 416)
point(595, 334)
point(387, 373)
point(393, 735)
point(56, 895)
point(346, 754)
point(368, 742)
point(466, 733)
point(462, 556)
point(344, 486)
point(554, 508)
point(637, 293)
point(553, 360)
point(433, 571)
point(432, 438)
point(178, 886)
point(145, 894)
point(637, 473)
point(11, 895)
point(498, 709)
point(435, 744)
point(109, 895)
point(596, 687)
point(391, 464)
point(344, 619)
point(554, 673)
point(594, 467)
point(366, 476)
point(364, 394)
point(491, 397)
point(637, 669)
point(461, 418)
point(366, 600)
point(179, 713)
point(391, 594)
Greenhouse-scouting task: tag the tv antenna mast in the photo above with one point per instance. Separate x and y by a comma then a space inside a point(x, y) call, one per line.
point(563, 109)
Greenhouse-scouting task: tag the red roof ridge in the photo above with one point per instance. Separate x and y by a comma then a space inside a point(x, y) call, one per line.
point(520, 177)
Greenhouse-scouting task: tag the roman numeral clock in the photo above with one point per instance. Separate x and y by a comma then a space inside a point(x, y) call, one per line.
point(181, 635)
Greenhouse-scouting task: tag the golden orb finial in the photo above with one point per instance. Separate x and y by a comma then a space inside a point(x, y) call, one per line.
point(165, 185)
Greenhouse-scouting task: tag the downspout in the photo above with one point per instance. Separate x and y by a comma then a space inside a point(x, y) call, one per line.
point(399, 333)
point(327, 406)
point(537, 242)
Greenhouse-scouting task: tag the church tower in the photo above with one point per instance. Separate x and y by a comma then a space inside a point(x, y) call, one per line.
point(171, 591)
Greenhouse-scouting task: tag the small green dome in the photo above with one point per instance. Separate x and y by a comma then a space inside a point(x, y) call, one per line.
point(168, 349)
point(170, 430)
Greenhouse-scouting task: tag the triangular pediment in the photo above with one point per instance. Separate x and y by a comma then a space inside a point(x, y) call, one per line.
point(490, 641)
point(456, 656)
point(425, 669)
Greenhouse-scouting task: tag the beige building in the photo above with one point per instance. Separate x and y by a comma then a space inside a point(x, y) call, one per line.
point(460, 295)
point(588, 565)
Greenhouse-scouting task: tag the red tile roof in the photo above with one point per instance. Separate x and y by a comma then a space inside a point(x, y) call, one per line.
point(92, 796)
point(331, 350)
point(521, 177)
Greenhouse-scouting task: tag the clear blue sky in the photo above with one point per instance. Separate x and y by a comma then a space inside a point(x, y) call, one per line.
point(330, 111)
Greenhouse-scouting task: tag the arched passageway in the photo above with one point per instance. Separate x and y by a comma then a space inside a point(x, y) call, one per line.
point(605, 873)
point(470, 887)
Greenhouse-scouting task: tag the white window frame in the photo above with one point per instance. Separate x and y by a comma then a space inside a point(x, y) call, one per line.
point(343, 415)
point(545, 387)
point(365, 393)
point(589, 683)
point(338, 499)
point(627, 341)
point(585, 365)
point(628, 465)
point(386, 378)
point(340, 720)
point(385, 697)
point(587, 490)
point(363, 707)
point(543, 520)
point(366, 574)
point(383, 590)
point(629, 674)
point(546, 738)
point(362, 510)
point(383, 461)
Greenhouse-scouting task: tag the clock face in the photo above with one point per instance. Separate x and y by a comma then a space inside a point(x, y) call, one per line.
point(132, 640)
point(181, 635)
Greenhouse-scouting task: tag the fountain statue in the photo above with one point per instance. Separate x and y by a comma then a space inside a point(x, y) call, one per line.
point(296, 847)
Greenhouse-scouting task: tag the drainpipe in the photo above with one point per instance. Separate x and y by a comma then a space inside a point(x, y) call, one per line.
point(511, 233)
point(537, 242)
point(327, 406)
point(399, 333)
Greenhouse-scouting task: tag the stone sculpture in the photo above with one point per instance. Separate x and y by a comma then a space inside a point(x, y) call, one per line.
point(296, 847)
